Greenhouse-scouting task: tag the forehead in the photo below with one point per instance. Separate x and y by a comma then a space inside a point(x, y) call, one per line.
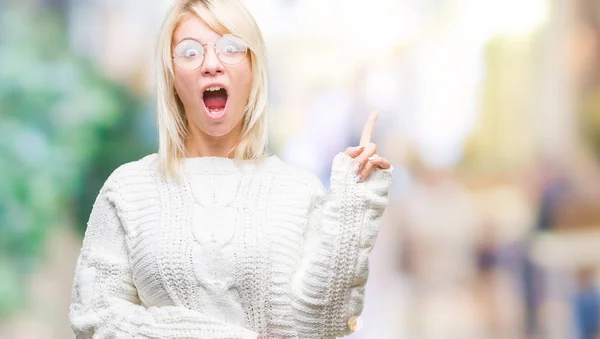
point(191, 26)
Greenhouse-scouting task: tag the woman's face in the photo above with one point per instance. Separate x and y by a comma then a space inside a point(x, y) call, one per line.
point(214, 95)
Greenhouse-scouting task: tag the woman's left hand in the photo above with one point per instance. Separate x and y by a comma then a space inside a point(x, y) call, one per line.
point(365, 155)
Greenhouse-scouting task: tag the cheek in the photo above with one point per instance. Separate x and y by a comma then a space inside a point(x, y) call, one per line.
point(184, 85)
point(244, 85)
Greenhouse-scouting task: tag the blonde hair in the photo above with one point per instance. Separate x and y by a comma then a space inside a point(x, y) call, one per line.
point(224, 17)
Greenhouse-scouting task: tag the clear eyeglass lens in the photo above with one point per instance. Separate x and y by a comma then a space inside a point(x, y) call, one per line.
point(189, 54)
point(231, 49)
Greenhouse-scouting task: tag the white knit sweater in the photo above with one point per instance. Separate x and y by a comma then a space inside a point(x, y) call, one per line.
point(232, 250)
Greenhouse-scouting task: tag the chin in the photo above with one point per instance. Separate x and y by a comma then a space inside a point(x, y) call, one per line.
point(218, 130)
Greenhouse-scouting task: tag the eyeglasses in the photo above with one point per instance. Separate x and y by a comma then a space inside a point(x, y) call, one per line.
point(189, 54)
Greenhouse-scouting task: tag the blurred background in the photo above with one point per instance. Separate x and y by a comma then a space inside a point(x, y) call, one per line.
point(489, 112)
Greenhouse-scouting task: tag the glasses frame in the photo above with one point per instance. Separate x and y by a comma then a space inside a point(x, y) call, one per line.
point(215, 49)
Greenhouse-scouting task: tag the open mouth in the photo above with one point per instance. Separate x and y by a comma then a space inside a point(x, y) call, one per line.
point(215, 100)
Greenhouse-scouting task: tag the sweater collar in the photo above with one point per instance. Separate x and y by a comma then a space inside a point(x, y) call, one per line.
point(221, 165)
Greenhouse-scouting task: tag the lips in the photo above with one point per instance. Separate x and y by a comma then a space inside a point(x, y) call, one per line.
point(215, 100)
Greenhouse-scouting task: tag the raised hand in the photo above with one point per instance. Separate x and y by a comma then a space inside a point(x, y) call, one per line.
point(365, 155)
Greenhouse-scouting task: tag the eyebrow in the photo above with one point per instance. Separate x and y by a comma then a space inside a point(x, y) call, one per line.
point(188, 38)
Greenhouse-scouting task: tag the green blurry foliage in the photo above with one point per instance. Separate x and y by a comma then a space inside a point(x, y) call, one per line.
point(63, 128)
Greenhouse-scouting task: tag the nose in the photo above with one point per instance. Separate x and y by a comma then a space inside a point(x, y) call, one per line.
point(211, 65)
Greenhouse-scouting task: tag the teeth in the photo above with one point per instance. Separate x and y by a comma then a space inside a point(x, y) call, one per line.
point(213, 88)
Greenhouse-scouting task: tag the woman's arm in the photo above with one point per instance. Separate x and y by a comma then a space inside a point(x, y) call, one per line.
point(105, 302)
point(329, 285)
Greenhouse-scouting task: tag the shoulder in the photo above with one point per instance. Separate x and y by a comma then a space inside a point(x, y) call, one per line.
point(131, 189)
point(296, 176)
point(138, 171)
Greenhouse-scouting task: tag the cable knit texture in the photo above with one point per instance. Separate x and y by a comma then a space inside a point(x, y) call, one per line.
point(235, 249)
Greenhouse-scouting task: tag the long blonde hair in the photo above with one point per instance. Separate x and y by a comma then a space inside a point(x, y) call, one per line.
point(224, 17)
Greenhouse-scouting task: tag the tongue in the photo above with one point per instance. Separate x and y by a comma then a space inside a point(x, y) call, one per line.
point(215, 100)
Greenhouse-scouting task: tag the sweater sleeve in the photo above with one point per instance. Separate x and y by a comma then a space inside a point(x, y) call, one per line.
point(328, 286)
point(105, 302)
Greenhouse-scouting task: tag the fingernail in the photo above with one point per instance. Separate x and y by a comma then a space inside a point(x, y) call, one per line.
point(360, 147)
point(373, 157)
point(357, 178)
point(356, 167)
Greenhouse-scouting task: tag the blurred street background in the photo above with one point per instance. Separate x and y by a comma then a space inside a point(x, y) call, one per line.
point(489, 112)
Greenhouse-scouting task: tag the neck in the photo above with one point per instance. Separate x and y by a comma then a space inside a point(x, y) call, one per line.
point(200, 144)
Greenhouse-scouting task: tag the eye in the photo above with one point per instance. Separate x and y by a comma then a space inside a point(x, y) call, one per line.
point(231, 44)
point(191, 53)
point(232, 49)
point(188, 49)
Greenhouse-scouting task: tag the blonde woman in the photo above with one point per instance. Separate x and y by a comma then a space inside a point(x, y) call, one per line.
point(210, 237)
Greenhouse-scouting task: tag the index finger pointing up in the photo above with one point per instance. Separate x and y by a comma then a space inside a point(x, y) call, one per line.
point(368, 129)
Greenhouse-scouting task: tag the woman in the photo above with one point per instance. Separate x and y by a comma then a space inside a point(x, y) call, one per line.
point(210, 238)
